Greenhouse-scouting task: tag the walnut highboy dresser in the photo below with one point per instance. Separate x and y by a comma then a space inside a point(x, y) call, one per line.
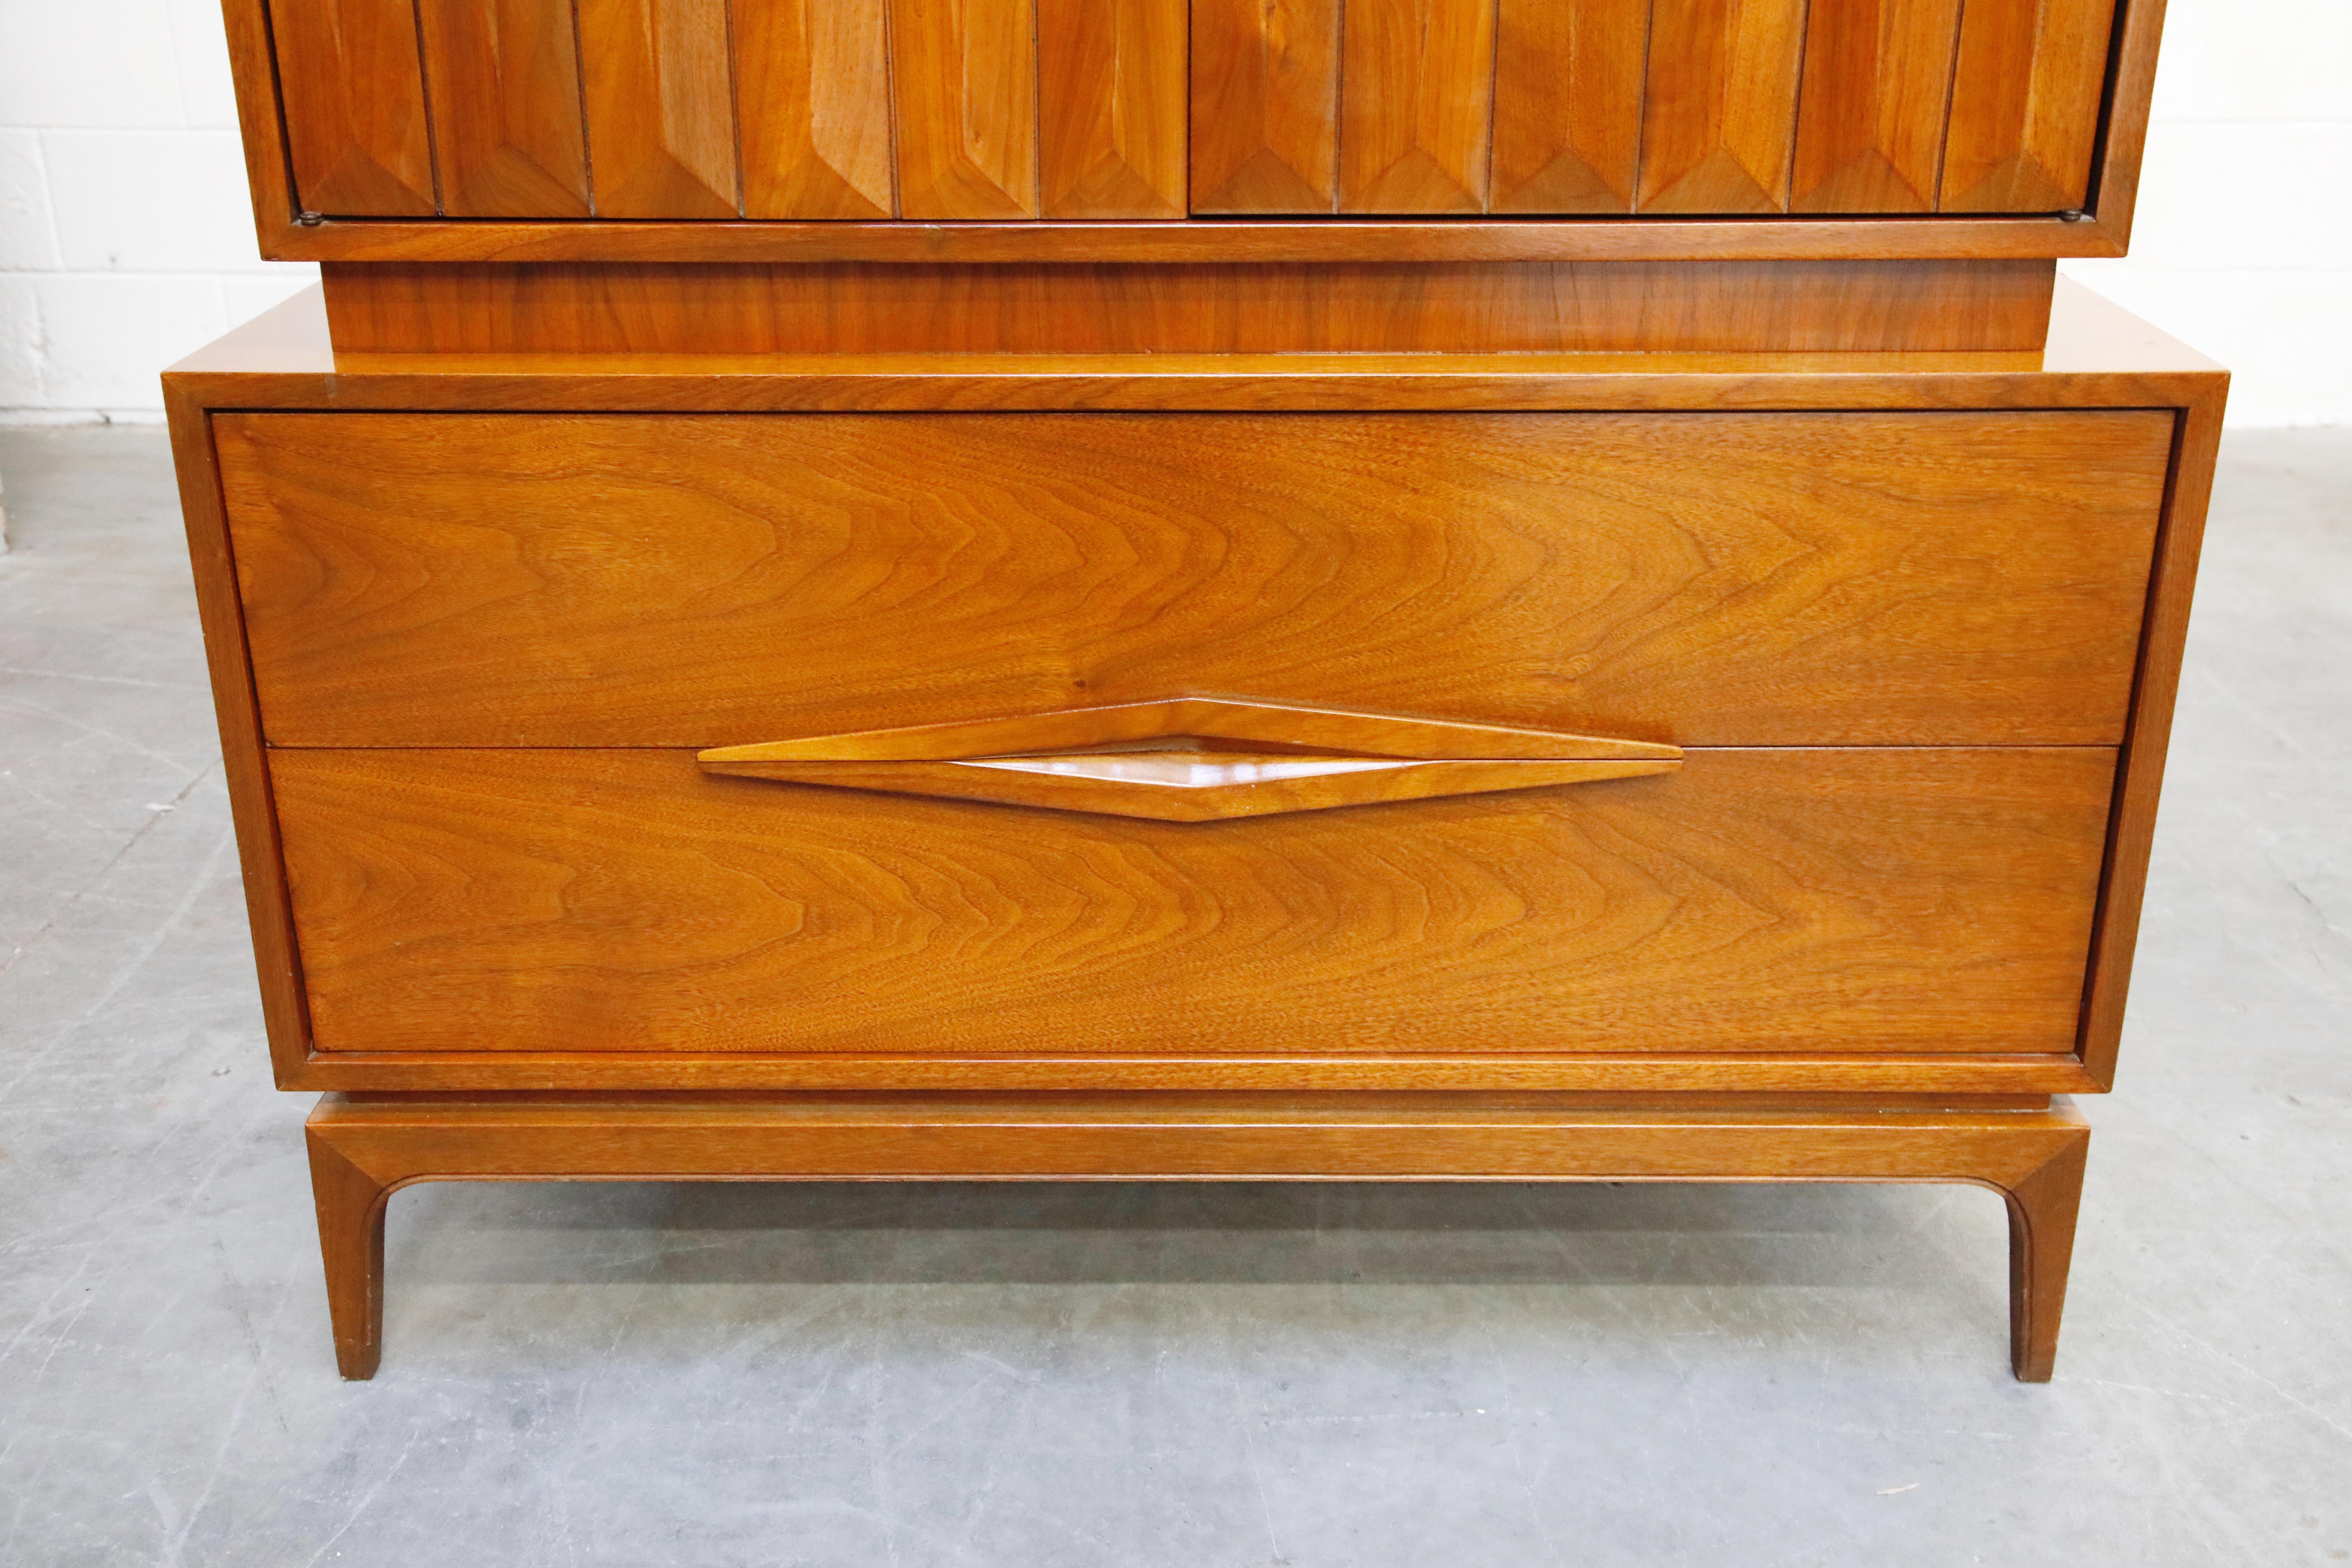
point(1371, 589)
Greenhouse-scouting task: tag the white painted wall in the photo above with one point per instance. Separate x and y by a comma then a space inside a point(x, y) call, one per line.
point(126, 238)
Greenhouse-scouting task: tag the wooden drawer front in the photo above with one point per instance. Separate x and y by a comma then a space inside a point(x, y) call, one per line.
point(1851, 901)
point(1735, 579)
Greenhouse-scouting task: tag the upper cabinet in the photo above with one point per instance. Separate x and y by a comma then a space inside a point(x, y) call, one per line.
point(1158, 110)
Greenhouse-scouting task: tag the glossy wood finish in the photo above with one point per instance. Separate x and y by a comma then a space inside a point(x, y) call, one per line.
point(1232, 126)
point(2025, 113)
point(2098, 356)
point(1416, 103)
point(1873, 902)
point(352, 92)
point(504, 77)
point(364, 1149)
point(1834, 307)
point(1193, 760)
point(1266, 106)
point(1568, 104)
point(814, 88)
point(1955, 579)
point(1112, 97)
point(964, 84)
point(661, 108)
point(1720, 118)
point(1877, 90)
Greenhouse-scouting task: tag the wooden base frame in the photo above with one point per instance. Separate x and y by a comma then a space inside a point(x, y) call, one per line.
point(365, 1147)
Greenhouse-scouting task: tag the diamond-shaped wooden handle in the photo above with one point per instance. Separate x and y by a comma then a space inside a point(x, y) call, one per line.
point(1194, 759)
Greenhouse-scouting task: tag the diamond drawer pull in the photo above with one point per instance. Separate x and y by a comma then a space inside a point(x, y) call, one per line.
point(1194, 759)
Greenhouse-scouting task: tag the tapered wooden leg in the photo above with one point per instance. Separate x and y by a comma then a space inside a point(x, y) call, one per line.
point(350, 1241)
point(2042, 1210)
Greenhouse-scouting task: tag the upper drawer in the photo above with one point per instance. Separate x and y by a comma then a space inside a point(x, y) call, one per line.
point(1733, 579)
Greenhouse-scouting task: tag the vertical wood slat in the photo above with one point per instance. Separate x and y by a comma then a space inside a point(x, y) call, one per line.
point(963, 81)
point(1417, 96)
point(2025, 105)
point(503, 77)
point(1720, 120)
point(661, 108)
point(1112, 95)
point(1266, 106)
point(1568, 104)
point(813, 86)
point(1877, 80)
point(353, 90)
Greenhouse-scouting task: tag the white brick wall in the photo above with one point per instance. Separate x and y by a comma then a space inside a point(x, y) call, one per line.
point(126, 238)
point(2243, 241)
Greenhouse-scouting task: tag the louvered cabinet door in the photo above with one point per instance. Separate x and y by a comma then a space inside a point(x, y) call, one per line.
point(661, 107)
point(1266, 106)
point(354, 96)
point(999, 110)
point(1111, 96)
point(2026, 90)
point(813, 86)
point(503, 78)
point(1568, 104)
point(964, 88)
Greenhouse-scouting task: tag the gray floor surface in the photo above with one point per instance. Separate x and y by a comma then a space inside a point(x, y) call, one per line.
point(1140, 1375)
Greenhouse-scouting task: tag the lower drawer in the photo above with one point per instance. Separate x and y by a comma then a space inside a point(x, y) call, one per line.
point(1816, 899)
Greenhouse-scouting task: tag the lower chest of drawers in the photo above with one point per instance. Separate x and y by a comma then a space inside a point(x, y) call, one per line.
point(1888, 658)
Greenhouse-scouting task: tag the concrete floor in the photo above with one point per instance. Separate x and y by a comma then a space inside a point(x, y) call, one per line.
point(1150, 1375)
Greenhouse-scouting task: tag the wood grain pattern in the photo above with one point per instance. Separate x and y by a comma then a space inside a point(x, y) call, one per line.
point(1417, 99)
point(1724, 580)
point(352, 88)
point(1266, 106)
point(1810, 306)
point(963, 76)
point(1877, 85)
point(1568, 104)
point(661, 108)
point(364, 1148)
point(2025, 100)
point(1112, 99)
point(1873, 902)
point(813, 85)
point(1719, 116)
point(504, 78)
